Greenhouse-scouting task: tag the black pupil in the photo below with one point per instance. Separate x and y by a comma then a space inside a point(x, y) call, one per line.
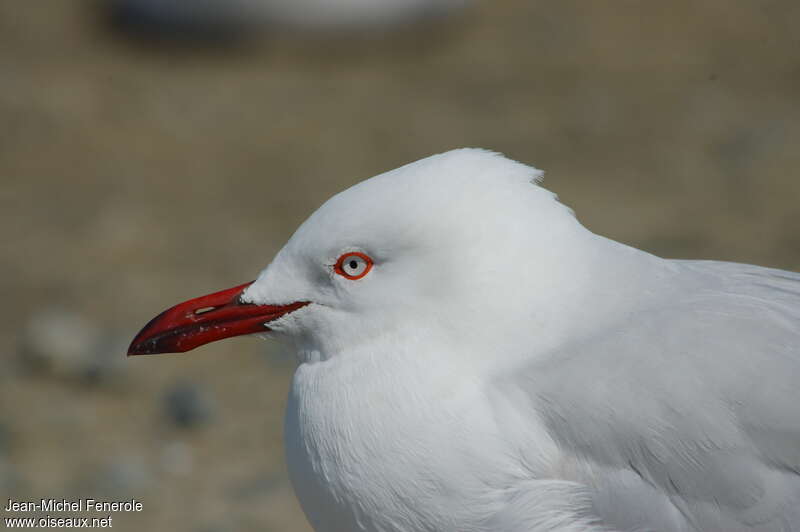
point(353, 265)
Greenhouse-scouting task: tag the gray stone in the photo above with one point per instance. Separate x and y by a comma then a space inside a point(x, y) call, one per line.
point(58, 341)
point(177, 458)
point(125, 476)
point(188, 404)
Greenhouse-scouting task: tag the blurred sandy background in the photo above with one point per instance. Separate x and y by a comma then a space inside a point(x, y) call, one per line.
point(136, 175)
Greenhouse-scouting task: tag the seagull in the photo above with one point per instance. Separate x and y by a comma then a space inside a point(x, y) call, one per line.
point(471, 358)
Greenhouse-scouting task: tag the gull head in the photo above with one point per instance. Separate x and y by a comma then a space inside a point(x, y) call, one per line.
point(459, 245)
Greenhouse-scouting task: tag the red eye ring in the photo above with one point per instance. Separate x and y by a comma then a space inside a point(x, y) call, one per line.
point(363, 265)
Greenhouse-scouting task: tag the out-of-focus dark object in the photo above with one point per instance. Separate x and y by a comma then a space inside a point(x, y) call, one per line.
point(200, 20)
point(188, 404)
point(230, 19)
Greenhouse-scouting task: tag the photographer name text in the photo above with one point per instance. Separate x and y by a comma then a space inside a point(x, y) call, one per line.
point(76, 505)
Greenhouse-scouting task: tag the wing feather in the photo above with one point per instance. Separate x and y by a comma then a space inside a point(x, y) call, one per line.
point(696, 397)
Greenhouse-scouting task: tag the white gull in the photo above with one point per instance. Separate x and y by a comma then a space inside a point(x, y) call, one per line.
point(473, 359)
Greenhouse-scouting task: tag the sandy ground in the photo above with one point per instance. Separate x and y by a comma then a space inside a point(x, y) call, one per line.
point(135, 176)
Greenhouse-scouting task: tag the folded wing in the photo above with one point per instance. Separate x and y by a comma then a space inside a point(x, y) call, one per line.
point(686, 414)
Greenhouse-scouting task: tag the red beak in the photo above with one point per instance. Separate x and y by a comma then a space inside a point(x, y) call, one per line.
point(206, 319)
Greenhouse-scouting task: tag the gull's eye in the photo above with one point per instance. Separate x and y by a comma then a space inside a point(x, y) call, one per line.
point(353, 265)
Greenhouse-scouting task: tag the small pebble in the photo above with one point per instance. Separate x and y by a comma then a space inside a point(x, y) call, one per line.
point(188, 405)
point(58, 341)
point(125, 476)
point(66, 344)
